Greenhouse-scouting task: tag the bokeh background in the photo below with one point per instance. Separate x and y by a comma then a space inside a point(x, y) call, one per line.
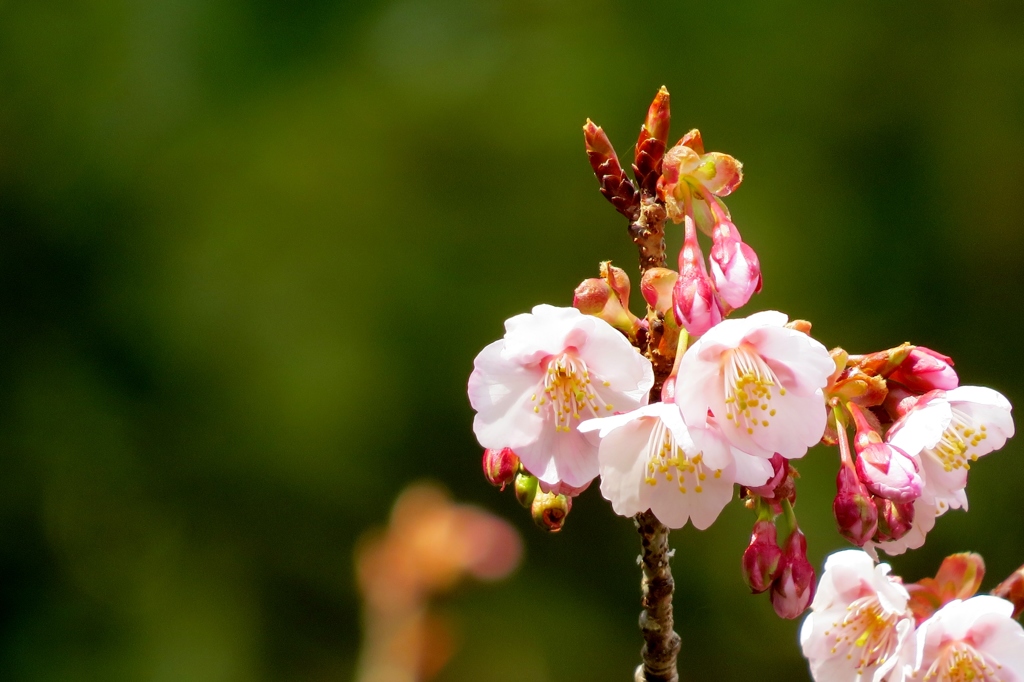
point(251, 247)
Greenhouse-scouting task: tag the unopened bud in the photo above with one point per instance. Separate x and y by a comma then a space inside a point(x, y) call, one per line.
point(616, 187)
point(526, 489)
point(656, 287)
point(549, 510)
point(734, 264)
point(925, 370)
point(653, 140)
point(780, 486)
point(618, 280)
point(1012, 590)
point(596, 297)
point(693, 297)
point(793, 589)
point(856, 516)
point(692, 140)
point(883, 362)
point(761, 558)
point(895, 519)
point(802, 326)
point(886, 470)
point(500, 467)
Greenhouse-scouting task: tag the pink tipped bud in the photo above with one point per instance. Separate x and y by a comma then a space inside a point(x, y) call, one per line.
point(882, 362)
point(895, 519)
point(925, 370)
point(692, 140)
point(734, 264)
point(596, 297)
point(761, 558)
point(794, 587)
point(526, 489)
point(550, 510)
point(693, 296)
point(500, 467)
point(656, 287)
point(889, 472)
point(781, 486)
point(618, 280)
point(886, 470)
point(856, 516)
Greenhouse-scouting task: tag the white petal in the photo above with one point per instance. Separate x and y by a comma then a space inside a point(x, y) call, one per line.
point(802, 363)
point(623, 460)
point(500, 390)
point(567, 456)
point(611, 358)
point(922, 427)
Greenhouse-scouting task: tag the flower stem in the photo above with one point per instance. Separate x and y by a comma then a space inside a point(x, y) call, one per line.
point(661, 643)
point(648, 233)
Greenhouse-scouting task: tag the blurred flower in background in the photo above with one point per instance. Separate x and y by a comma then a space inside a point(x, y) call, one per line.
point(427, 549)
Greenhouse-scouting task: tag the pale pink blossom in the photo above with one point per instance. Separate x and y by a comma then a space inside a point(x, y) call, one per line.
point(554, 369)
point(956, 427)
point(649, 459)
point(976, 639)
point(761, 381)
point(860, 625)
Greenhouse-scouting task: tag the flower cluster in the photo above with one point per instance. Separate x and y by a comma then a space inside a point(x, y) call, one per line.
point(917, 432)
point(676, 407)
point(865, 624)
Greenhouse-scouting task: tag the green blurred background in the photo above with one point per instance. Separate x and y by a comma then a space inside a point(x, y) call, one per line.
point(251, 247)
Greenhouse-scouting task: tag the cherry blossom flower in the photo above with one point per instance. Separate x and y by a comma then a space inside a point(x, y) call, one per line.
point(761, 381)
point(649, 459)
point(971, 421)
point(976, 639)
point(860, 625)
point(554, 369)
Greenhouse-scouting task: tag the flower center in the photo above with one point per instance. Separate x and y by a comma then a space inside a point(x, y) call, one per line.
point(960, 662)
point(954, 448)
point(749, 385)
point(567, 386)
point(665, 457)
point(867, 633)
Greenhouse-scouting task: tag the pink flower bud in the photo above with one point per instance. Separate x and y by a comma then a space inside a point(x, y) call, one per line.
point(549, 511)
point(895, 519)
point(854, 510)
point(734, 264)
point(761, 558)
point(889, 472)
point(693, 297)
point(793, 589)
point(925, 370)
point(886, 470)
point(656, 287)
point(500, 467)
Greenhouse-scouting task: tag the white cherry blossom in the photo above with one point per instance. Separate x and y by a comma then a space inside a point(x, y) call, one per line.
point(649, 459)
point(860, 625)
point(976, 639)
point(554, 369)
point(762, 381)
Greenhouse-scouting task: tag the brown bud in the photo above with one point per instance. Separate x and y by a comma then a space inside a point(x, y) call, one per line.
point(652, 143)
point(615, 185)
